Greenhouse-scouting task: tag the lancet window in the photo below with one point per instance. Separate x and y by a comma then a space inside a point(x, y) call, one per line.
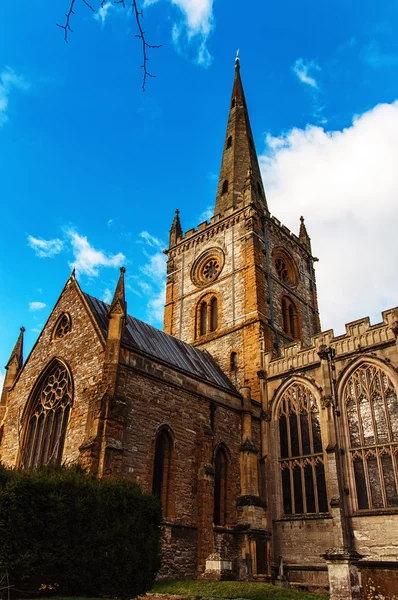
point(207, 315)
point(371, 416)
point(301, 456)
point(290, 318)
point(48, 418)
point(161, 481)
point(220, 487)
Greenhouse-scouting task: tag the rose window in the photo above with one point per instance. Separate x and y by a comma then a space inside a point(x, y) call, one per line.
point(211, 269)
point(207, 267)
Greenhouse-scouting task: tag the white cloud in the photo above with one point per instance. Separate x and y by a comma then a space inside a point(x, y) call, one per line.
point(302, 69)
point(206, 214)
point(377, 58)
point(151, 240)
point(102, 13)
point(107, 296)
point(152, 282)
point(37, 305)
point(195, 27)
point(346, 185)
point(9, 80)
point(88, 260)
point(45, 248)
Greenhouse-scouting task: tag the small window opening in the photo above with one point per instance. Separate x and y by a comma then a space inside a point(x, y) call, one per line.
point(213, 314)
point(229, 141)
point(233, 361)
point(225, 187)
point(233, 103)
point(220, 488)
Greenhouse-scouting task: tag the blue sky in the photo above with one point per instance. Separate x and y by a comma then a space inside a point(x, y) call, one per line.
point(92, 168)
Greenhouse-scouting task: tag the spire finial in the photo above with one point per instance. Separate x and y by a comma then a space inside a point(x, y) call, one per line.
point(123, 270)
point(237, 59)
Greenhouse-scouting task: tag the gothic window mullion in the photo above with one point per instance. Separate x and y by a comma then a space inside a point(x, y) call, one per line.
point(33, 436)
point(310, 429)
point(381, 477)
point(292, 494)
point(315, 485)
point(45, 443)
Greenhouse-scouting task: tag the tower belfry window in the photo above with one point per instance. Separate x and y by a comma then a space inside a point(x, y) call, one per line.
point(224, 189)
point(207, 315)
point(290, 318)
point(229, 141)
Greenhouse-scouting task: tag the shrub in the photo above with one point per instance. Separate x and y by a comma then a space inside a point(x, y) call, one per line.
point(65, 529)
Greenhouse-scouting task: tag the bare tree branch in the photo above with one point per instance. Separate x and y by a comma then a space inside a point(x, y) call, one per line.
point(139, 15)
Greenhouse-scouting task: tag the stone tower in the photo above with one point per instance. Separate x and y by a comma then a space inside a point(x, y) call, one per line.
point(242, 284)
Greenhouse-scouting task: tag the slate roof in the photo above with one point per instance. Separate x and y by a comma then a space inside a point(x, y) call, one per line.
point(164, 347)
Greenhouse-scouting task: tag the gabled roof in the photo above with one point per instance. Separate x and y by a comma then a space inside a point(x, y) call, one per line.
point(164, 347)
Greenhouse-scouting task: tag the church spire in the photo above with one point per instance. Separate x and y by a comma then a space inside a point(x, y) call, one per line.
point(239, 167)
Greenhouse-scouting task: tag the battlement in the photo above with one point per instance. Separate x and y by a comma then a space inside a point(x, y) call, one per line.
point(285, 229)
point(360, 335)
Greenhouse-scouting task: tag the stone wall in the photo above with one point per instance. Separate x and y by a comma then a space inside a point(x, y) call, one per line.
point(82, 350)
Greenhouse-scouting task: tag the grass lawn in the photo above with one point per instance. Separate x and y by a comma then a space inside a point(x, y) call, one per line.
point(247, 590)
point(232, 589)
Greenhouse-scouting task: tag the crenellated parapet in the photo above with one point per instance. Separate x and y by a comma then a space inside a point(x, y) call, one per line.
point(360, 336)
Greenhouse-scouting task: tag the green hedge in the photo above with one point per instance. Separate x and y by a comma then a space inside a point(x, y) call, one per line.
point(63, 528)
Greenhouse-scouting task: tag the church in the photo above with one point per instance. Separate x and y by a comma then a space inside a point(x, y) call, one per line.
point(272, 445)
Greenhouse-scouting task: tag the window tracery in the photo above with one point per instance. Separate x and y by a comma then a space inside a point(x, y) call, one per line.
point(301, 456)
point(48, 419)
point(285, 267)
point(62, 326)
point(371, 414)
point(207, 267)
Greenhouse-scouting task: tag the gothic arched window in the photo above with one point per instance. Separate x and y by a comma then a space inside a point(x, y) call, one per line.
point(162, 468)
point(62, 326)
point(290, 318)
point(213, 314)
point(207, 315)
point(48, 417)
point(371, 415)
point(301, 456)
point(220, 487)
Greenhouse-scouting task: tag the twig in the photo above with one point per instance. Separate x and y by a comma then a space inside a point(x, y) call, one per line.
point(68, 15)
point(141, 33)
point(139, 15)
